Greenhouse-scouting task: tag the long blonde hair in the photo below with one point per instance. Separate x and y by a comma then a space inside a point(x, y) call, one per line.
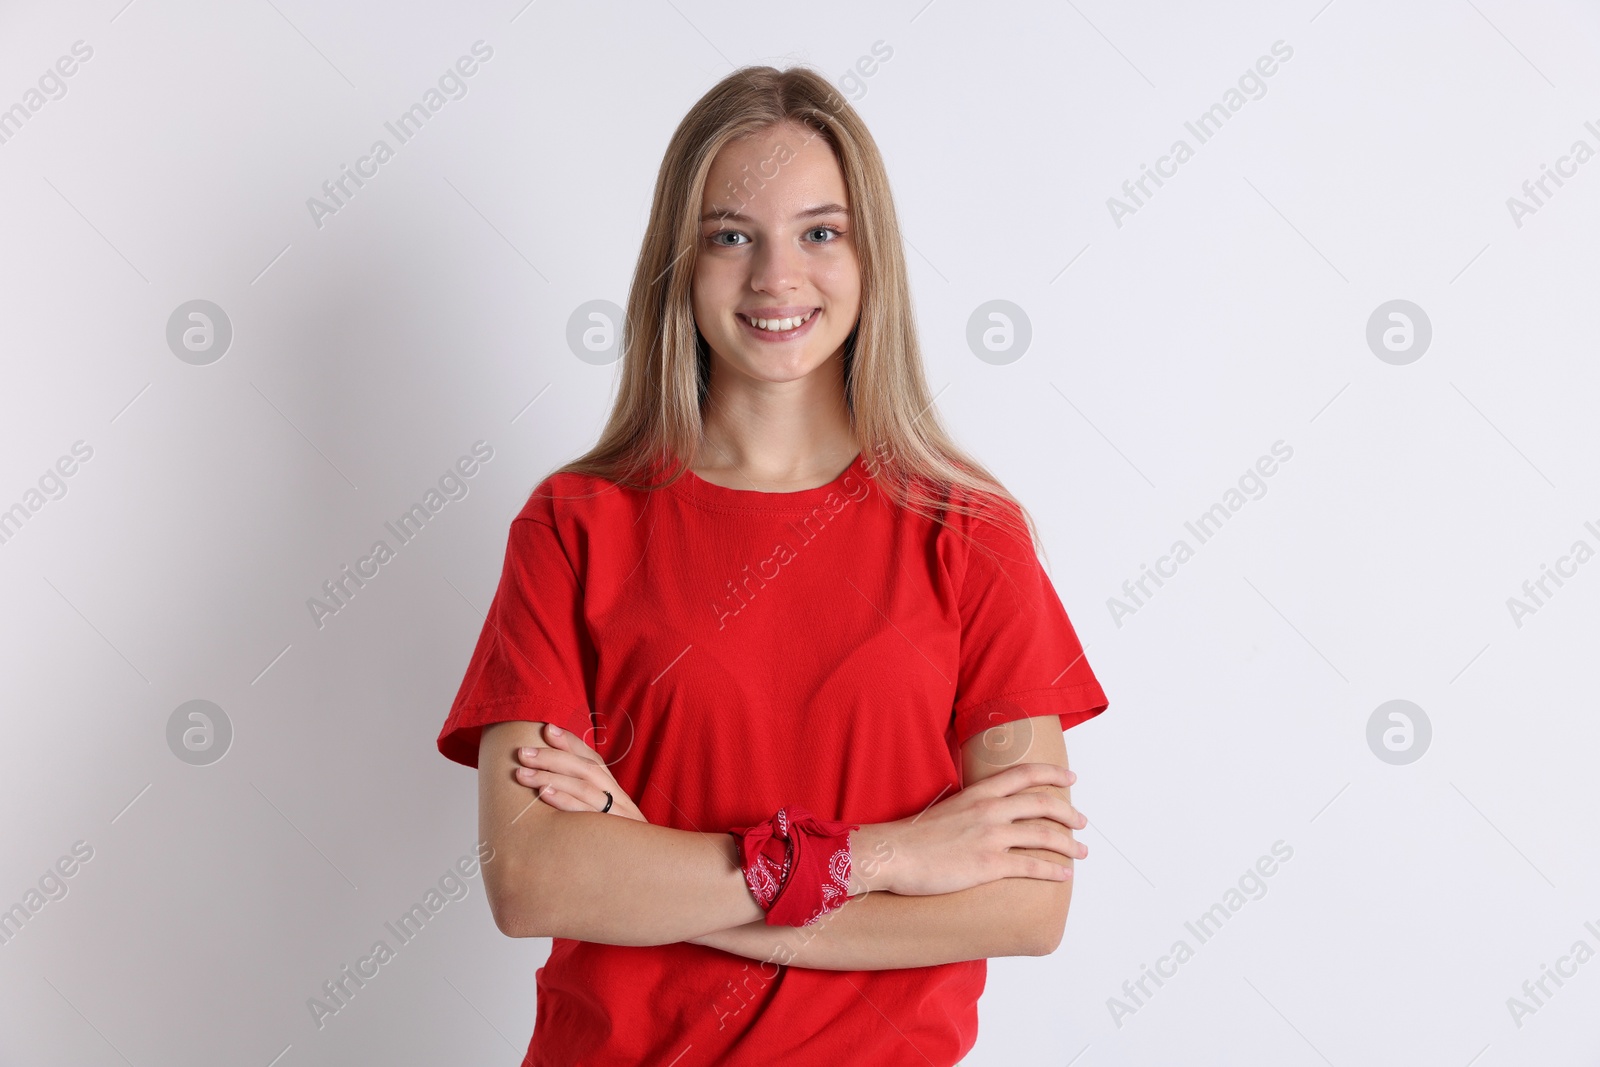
point(655, 426)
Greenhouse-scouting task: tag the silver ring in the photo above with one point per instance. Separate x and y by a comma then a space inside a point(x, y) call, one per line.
point(607, 808)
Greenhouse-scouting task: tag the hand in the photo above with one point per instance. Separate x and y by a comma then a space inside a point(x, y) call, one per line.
point(571, 776)
point(962, 841)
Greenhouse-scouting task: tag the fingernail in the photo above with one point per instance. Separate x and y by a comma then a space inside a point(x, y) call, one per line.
point(554, 729)
point(524, 752)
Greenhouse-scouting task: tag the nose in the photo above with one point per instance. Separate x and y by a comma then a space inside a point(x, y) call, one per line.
point(776, 267)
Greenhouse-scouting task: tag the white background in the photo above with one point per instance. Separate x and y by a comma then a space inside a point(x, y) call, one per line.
point(1229, 312)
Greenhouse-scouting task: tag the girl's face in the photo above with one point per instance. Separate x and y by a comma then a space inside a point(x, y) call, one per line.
point(777, 287)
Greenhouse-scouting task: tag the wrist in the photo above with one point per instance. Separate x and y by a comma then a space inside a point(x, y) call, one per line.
point(872, 859)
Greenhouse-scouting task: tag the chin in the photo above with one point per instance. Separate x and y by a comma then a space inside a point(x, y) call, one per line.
point(773, 367)
point(792, 372)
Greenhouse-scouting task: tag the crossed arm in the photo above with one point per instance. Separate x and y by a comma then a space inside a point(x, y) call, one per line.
point(1009, 917)
point(598, 878)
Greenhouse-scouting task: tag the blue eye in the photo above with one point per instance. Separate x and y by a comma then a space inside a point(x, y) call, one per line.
point(715, 238)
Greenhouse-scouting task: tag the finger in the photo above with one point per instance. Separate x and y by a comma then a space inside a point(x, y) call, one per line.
point(568, 763)
point(588, 797)
point(550, 759)
point(539, 780)
point(1063, 811)
point(1020, 777)
point(1039, 806)
point(568, 800)
point(576, 776)
point(1046, 836)
point(534, 755)
point(1019, 866)
point(566, 740)
point(560, 800)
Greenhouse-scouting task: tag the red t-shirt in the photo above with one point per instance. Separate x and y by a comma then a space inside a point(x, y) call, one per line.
point(727, 652)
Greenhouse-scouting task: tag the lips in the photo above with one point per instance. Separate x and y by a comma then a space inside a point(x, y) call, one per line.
point(778, 320)
point(805, 317)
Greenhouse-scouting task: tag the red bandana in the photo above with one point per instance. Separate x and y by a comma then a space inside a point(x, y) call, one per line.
point(797, 866)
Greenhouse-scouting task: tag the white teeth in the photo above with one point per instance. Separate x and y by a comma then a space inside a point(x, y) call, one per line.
point(779, 325)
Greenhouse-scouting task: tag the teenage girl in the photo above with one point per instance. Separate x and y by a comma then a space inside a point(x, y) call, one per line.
point(775, 581)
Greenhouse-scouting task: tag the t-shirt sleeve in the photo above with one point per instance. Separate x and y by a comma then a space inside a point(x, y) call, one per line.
point(1020, 656)
point(534, 654)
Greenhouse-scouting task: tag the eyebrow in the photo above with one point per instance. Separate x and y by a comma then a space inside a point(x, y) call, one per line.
point(723, 214)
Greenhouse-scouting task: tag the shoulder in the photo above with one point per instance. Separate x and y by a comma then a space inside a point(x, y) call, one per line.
point(582, 517)
point(566, 497)
point(985, 544)
point(986, 521)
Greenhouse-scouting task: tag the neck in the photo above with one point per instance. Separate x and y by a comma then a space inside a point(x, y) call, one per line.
point(766, 433)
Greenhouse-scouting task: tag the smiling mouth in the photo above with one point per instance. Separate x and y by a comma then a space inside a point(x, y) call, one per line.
point(779, 325)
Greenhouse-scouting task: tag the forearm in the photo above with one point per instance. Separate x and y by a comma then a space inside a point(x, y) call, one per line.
point(879, 931)
point(594, 877)
point(884, 930)
point(622, 882)
point(614, 881)
point(587, 876)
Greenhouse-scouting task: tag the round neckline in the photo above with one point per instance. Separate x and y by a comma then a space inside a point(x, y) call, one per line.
point(692, 485)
